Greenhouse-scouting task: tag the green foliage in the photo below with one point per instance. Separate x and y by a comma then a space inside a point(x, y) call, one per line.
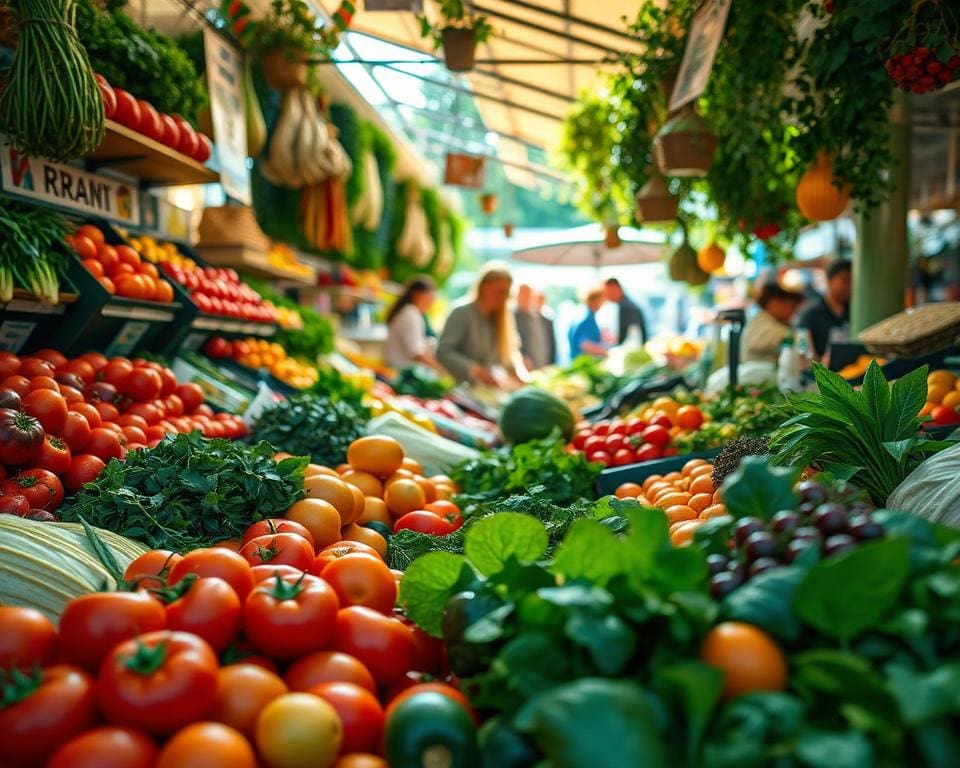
point(307, 343)
point(312, 425)
point(291, 26)
point(148, 64)
point(370, 248)
point(422, 382)
point(456, 14)
point(189, 491)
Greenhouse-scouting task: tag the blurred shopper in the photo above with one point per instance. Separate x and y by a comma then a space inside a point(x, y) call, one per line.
point(830, 311)
point(479, 339)
point(407, 328)
point(630, 313)
point(534, 343)
point(546, 316)
point(585, 336)
point(768, 327)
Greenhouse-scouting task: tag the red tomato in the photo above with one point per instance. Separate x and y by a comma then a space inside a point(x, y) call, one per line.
point(21, 437)
point(89, 412)
point(328, 554)
point(48, 407)
point(359, 711)
point(204, 410)
point(594, 443)
point(84, 469)
point(648, 452)
point(16, 504)
point(44, 382)
point(128, 255)
point(601, 428)
point(218, 562)
point(276, 525)
point(97, 359)
point(287, 617)
point(943, 415)
point(132, 420)
point(142, 385)
point(661, 420)
point(600, 457)
point(636, 426)
point(9, 364)
point(328, 667)
point(42, 489)
point(279, 549)
point(48, 710)
point(54, 456)
point(580, 438)
point(106, 747)
point(115, 371)
point(154, 432)
point(151, 569)
point(623, 457)
point(656, 435)
point(168, 378)
point(107, 411)
point(448, 511)
point(263, 573)
point(81, 368)
point(359, 579)
point(149, 412)
point(71, 395)
point(617, 427)
point(422, 521)
point(135, 435)
point(91, 625)
point(191, 396)
point(383, 644)
point(128, 109)
point(31, 367)
point(209, 608)
point(104, 444)
point(158, 682)
point(173, 405)
point(28, 639)
point(614, 442)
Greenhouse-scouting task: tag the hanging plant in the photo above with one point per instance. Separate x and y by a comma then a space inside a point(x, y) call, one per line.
point(925, 52)
point(488, 203)
point(655, 203)
point(459, 33)
point(684, 146)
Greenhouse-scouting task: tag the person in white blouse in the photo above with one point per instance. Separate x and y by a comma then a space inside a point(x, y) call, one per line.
point(407, 342)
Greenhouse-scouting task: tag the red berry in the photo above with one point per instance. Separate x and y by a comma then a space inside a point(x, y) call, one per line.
point(933, 67)
point(945, 76)
point(828, 6)
point(906, 60)
point(921, 53)
point(954, 62)
point(913, 72)
point(898, 72)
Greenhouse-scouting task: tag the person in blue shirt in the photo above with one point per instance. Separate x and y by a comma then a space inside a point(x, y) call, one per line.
point(585, 337)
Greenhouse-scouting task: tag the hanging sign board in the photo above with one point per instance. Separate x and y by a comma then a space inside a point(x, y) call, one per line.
point(63, 186)
point(464, 170)
point(225, 81)
point(706, 32)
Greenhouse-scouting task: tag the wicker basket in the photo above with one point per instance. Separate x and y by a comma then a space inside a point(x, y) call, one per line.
point(685, 145)
point(459, 48)
point(916, 331)
point(232, 225)
point(654, 201)
point(284, 70)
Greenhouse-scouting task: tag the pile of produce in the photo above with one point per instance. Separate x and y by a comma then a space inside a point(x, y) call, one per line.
point(260, 353)
point(29, 254)
point(943, 399)
point(620, 442)
point(422, 382)
point(218, 291)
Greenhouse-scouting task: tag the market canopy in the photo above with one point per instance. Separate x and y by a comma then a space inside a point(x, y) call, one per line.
point(585, 247)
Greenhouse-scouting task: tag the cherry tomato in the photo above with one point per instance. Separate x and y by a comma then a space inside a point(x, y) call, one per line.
point(383, 644)
point(91, 625)
point(50, 707)
point(647, 452)
point(84, 469)
point(614, 442)
point(623, 457)
point(209, 608)
point(279, 549)
point(328, 667)
point(286, 617)
point(422, 521)
point(218, 562)
point(106, 747)
point(151, 569)
point(42, 488)
point(243, 690)
point(359, 711)
point(104, 444)
point(158, 682)
point(28, 639)
point(359, 579)
point(54, 456)
point(276, 525)
point(601, 428)
point(656, 435)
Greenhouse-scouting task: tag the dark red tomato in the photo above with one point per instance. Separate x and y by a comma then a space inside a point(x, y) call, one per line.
point(76, 431)
point(191, 396)
point(28, 639)
point(10, 399)
point(101, 391)
point(661, 421)
point(428, 656)
point(581, 437)
point(149, 412)
point(104, 444)
point(91, 625)
point(19, 384)
point(154, 432)
point(173, 405)
point(67, 379)
point(55, 455)
point(218, 562)
point(132, 420)
point(107, 411)
point(279, 549)
point(383, 644)
point(169, 381)
point(84, 468)
point(44, 382)
point(209, 608)
point(359, 712)
point(142, 385)
point(151, 569)
point(15, 504)
point(158, 682)
point(32, 367)
point(115, 371)
point(106, 747)
point(134, 436)
point(276, 525)
point(49, 408)
point(288, 617)
point(71, 395)
point(82, 369)
point(600, 457)
point(52, 356)
point(42, 489)
point(21, 437)
point(422, 521)
point(9, 364)
point(50, 707)
point(96, 359)
point(617, 427)
point(89, 412)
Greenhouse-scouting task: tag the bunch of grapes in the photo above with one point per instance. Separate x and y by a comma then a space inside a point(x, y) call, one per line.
point(834, 520)
point(921, 71)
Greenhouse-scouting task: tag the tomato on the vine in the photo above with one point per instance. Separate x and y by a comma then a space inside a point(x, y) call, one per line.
point(382, 643)
point(219, 562)
point(158, 682)
point(28, 639)
point(286, 617)
point(209, 608)
point(83, 469)
point(42, 488)
point(279, 549)
point(54, 456)
point(108, 746)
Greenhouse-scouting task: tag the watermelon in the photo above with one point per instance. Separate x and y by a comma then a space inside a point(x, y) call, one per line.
point(533, 413)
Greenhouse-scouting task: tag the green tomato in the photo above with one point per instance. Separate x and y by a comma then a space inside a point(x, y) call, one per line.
point(431, 729)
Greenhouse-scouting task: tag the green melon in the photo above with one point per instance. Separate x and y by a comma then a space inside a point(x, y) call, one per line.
point(532, 413)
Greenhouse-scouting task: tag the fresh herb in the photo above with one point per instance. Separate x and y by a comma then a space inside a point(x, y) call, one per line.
point(600, 382)
point(422, 382)
point(313, 425)
point(869, 436)
point(31, 255)
point(307, 343)
point(567, 477)
point(335, 386)
point(189, 492)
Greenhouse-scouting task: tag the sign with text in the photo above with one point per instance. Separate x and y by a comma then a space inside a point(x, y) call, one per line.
point(706, 32)
point(225, 81)
point(67, 187)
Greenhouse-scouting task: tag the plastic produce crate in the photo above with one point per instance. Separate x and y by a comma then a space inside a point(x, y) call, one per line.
point(612, 478)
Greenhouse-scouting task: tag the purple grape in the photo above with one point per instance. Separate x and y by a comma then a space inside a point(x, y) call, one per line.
point(784, 521)
point(717, 563)
point(738, 569)
point(860, 508)
point(838, 543)
point(807, 533)
point(864, 528)
point(759, 544)
point(722, 584)
point(762, 564)
point(746, 526)
point(830, 518)
point(811, 491)
point(797, 547)
point(806, 508)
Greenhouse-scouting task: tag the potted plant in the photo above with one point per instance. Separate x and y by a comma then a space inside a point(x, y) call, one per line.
point(488, 203)
point(655, 202)
point(458, 34)
point(684, 146)
point(287, 37)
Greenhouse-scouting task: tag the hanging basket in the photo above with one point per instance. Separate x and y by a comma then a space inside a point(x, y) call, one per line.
point(508, 230)
point(611, 236)
point(488, 203)
point(684, 146)
point(459, 48)
point(655, 203)
point(283, 69)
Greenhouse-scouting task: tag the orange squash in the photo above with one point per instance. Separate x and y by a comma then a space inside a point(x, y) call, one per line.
point(711, 257)
point(818, 198)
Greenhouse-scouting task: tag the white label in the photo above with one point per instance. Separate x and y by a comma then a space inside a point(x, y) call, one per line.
point(225, 81)
point(14, 334)
point(128, 338)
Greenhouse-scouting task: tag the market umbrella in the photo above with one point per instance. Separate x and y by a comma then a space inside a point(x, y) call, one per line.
point(585, 247)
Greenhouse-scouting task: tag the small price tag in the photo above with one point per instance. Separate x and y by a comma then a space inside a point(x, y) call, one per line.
point(128, 338)
point(14, 334)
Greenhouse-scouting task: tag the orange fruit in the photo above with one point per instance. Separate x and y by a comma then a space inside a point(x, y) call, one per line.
point(680, 512)
point(429, 489)
point(951, 399)
point(936, 393)
point(376, 454)
point(689, 417)
point(941, 377)
point(359, 501)
point(748, 657)
point(368, 536)
point(714, 510)
point(643, 501)
point(650, 481)
point(318, 469)
point(692, 465)
point(681, 534)
point(333, 490)
point(320, 518)
point(927, 409)
point(718, 496)
point(413, 465)
point(369, 484)
point(672, 477)
point(701, 484)
point(628, 491)
point(375, 510)
point(705, 471)
point(658, 487)
point(404, 495)
point(672, 499)
point(666, 404)
point(341, 468)
point(400, 473)
point(700, 501)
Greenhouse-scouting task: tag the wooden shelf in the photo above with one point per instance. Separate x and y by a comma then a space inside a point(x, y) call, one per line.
point(252, 262)
point(27, 303)
point(232, 325)
point(155, 164)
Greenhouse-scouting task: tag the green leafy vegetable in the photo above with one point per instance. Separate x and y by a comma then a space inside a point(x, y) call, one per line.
point(189, 492)
point(422, 382)
point(757, 489)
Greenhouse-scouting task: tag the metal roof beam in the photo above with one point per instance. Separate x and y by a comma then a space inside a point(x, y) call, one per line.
point(482, 9)
point(447, 141)
point(471, 125)
point(565, 15)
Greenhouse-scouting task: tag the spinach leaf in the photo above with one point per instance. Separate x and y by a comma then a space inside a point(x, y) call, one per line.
point(829, 749)
point(427, 586)
point(495, 539)
point(767, 601)
point(758, 489)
